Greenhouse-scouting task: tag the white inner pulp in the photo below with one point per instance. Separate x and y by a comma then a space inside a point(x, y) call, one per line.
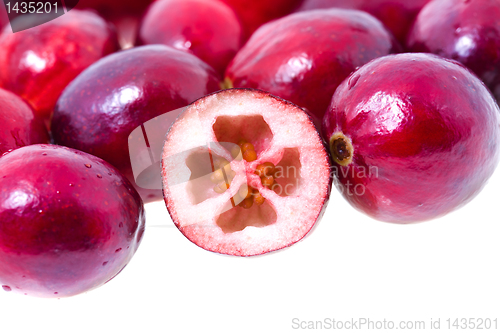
point(214, 220)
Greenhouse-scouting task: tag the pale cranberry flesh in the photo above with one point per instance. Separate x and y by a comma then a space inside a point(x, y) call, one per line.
point(235, 209)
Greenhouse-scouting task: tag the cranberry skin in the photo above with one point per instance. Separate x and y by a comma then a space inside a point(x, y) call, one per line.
point(69, 222)
point(38, 63)
point(19, 125)
point(112, 8)
point(4, 19)
point(304, 57)
point(208, 29)
point(103, 105)
point(466, 31)
point(397, 15)
point(254, 13)
point(425, 137)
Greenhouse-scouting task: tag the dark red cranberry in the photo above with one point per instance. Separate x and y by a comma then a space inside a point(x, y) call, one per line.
point(413, 137)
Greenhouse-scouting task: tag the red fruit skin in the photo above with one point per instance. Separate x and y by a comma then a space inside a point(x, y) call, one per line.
point(113, 8)
point(69, 222)
point(4, 19)
point(208, 29)
point(123, 14)
point(305, 56)
point(38, 63)
point(466, 31)
point(254, 13)
point(19, 126)
point(397, 15)
point(103, 105)
point(425, 132)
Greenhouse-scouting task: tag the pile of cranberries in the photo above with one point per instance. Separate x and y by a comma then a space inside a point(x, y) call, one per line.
point(393, 101)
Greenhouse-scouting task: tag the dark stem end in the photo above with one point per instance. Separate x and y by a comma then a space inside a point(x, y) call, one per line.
point(341, 149)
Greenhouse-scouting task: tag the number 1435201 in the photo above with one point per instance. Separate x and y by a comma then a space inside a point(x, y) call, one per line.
point(31, 7)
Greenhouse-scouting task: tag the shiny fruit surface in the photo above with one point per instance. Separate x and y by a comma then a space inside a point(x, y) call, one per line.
point(69, 222)
point(413, 137)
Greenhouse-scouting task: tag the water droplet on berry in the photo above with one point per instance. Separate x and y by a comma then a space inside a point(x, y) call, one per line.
point(118, 250)
point(105, 263)
point(99, 176)
point(88, 166)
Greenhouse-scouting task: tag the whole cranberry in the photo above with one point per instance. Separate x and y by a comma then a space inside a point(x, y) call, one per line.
point(413, 137)
point(303, 57)
point(467, 31)
point(18, 124)
point(100, 108)
point(207, 29)
point(397, 15)
point(69, 222)
point(38, 63)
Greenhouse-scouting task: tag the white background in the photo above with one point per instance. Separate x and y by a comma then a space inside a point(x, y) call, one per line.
point(350, 266)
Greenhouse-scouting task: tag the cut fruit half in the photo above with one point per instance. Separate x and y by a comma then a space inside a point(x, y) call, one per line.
point(244, 173)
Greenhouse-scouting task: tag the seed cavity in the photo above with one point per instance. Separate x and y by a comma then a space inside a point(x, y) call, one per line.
point(246, 196)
